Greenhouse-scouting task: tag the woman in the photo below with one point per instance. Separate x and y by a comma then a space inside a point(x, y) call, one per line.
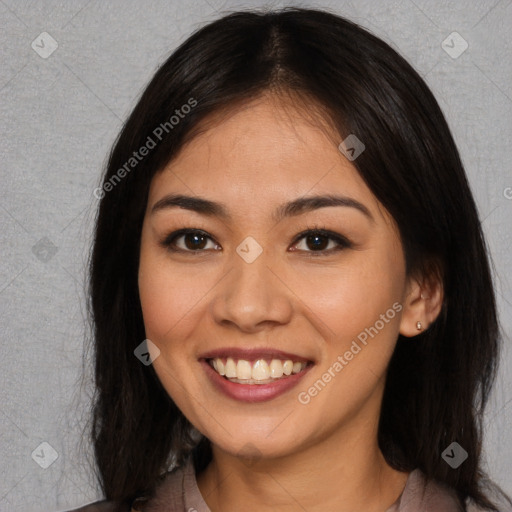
point(291, 296)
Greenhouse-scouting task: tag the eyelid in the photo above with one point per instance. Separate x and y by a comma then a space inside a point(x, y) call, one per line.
point(341, 240)
point(169, 239)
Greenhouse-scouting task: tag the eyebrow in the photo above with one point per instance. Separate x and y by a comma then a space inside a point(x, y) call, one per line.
point(289, 209)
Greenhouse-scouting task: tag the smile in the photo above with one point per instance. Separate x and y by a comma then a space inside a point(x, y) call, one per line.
point(259, 371)
point(254, 375)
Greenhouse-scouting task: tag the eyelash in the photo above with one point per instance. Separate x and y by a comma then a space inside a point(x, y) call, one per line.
point(343, 243)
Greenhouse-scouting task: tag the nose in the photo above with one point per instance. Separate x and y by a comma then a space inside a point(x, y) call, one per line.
point(252, 297)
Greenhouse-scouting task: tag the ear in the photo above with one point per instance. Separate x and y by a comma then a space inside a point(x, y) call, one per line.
point(423, 302)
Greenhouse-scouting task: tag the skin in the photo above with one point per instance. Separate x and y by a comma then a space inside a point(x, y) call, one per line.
point(279, 455)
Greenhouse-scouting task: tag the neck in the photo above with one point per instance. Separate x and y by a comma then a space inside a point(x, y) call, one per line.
point(344, 472)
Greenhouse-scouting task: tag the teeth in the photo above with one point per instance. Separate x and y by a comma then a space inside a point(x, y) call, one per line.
point(243, 369)
point(258, 371)
point(297, 367)
point(276, 369)
point(230, 368)
point(288, 367)
point(221, 369)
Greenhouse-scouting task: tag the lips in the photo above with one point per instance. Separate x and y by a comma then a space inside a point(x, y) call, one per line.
point(254, 375)
point(253, 354)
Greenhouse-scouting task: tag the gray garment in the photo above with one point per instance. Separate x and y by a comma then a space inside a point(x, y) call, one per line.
point(178, 492)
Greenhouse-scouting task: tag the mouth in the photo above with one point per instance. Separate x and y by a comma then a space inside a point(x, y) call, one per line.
point(254, 375)
point(259, 371)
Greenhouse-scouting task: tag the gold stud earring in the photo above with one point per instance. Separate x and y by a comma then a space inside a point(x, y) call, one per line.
point(419, 326)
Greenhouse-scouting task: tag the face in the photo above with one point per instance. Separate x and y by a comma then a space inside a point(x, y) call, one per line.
point(265, 275)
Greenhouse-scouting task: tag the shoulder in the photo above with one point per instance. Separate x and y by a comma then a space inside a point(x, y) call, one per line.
point(422, 494)
point(97, 506)
point(499, 500)
point(169, 495)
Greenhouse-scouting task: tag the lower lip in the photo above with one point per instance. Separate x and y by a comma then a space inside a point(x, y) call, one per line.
point(253, 392)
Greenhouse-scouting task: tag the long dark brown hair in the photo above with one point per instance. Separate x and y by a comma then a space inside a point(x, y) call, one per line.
point(438, 384)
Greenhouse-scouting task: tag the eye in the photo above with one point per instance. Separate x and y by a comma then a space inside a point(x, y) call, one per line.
point(317, 240)
point(189, 240)
point(321, 241)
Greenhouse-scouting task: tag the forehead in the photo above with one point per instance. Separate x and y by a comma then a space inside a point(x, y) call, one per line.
point(261, 154)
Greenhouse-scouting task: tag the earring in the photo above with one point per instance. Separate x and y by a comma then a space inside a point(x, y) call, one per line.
point(419, 326)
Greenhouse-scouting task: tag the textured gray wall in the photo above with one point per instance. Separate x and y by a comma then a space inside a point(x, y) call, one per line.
point(60, 114)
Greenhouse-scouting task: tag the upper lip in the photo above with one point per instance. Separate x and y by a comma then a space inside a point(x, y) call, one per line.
point(251, 354)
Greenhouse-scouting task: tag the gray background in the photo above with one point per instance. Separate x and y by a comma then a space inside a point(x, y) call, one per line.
point(59, 117)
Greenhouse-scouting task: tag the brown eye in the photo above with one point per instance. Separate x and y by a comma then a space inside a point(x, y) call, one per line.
point(317, 242)
point(320, 241)
point(194, 241)
point(189, 240)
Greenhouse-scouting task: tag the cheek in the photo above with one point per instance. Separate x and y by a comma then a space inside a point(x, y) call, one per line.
point(351, 297)
point(158, 302)
point(169, 298)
